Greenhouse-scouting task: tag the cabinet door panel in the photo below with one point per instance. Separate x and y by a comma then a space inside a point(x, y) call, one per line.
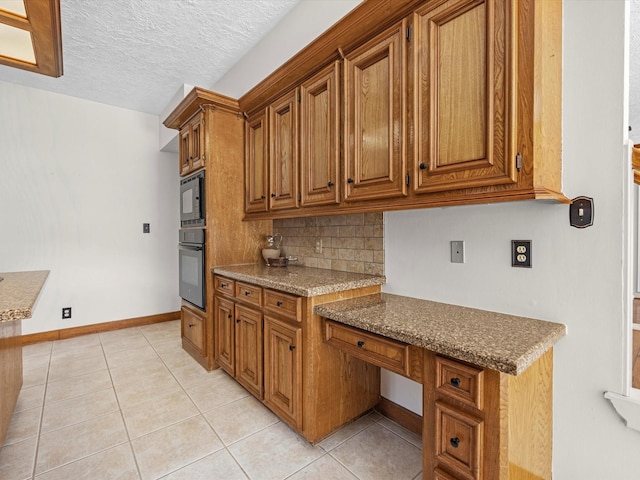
point(224, 337)
point(194, 328)
point(463, 124)
point(375, 90)
point(256, 158)
point(283, 376)
point(283, 159)
point(320, 137)
point(185, 140)
point(197, 142)
point(249, 349)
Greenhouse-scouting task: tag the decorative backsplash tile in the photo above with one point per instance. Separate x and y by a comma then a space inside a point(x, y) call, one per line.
point(350, 243)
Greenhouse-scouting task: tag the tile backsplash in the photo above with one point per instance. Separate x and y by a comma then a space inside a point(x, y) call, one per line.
point(351, 243)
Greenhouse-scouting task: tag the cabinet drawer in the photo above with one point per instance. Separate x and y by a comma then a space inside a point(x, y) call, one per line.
point(459, 381)
point(249, 293)
point(193, 329)
point(458, 441)
point(224, 285)
point(283, 304)
point(381, 351)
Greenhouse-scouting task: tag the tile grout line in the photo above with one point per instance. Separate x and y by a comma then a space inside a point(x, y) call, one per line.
point(44, 398)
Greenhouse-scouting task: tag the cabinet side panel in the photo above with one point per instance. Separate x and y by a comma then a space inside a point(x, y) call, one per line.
point(530, 420)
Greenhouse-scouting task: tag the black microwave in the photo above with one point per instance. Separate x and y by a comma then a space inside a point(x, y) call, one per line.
point(192, 201)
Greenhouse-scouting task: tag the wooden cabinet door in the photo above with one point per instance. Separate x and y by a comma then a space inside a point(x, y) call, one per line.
point(194, 328)
point(197, 141)
point(248, 345)
point(283, 153)
point(320, 137)
point(282, 370)
point(185, 150)
point(256, 158)
point(224, 325)
point(464, 86)
point(374, 117)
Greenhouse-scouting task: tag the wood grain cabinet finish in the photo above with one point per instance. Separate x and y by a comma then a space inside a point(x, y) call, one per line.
point(192, 156)
point(320, 137)
point(276, 351)
point(283, 153)
point(282, 369)
point(375, 117)
point(256, 163)
point(194, 329)
point(465, 87)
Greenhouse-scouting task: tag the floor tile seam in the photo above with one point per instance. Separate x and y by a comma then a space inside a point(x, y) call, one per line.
point(365, 428)
point(103, 414)
point(278, 420)
point(173, 423)
point(398, 435)
point(191, 463)
point(246, 473)
point(55, 402)
point(218, 405)
point(309, 464)
point(80, 374)
point(343, 465)
point(35, 475)
point(39, 434)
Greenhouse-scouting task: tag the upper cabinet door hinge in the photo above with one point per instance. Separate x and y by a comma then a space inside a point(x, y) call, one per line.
point(518, 161)
point(408, 34)
point(407, 179)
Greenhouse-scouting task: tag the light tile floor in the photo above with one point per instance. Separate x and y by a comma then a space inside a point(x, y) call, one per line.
point(131, 404)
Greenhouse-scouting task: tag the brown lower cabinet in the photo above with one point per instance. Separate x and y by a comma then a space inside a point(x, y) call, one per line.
point(271, 342)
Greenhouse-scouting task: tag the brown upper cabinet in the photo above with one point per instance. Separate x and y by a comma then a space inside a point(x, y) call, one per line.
point(320, 137)
point(256, 163)
point(192, 155)
point(464, 89)
point(374, 117)
point(444, 102)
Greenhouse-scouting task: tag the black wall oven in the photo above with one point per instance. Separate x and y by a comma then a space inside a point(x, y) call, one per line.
point(191, 264)
point(192, 201)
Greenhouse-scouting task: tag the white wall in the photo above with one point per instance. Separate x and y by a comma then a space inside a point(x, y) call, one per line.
point(577, 276)
point(77, 180)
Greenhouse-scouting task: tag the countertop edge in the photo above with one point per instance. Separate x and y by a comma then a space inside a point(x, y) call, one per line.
point(512, 366)
point(25, 292)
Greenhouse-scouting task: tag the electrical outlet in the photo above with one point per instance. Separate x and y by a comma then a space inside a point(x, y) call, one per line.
point(145, 228)
point(457, 251)
point(521, 253)
point(66, 312)
point(318, 245)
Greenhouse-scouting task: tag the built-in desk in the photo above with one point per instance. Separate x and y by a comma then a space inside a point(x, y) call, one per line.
point(487, 379)
point(18, 294)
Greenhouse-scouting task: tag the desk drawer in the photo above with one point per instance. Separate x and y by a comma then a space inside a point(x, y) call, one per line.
point(459, 381)
point(381, 351)
point(224, 285)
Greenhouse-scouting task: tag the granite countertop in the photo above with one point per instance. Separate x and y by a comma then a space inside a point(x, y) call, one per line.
point(19, 292)
point(299, 280)
point(498, 341)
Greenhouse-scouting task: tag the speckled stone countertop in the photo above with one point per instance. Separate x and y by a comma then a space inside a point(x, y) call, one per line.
point(501, 342)
point(299, 280)
point(19, 292)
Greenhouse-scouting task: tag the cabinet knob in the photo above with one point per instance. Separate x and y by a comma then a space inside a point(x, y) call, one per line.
point(223, 285)
point(292, 347)
point(247, 293)
point(273, 195)
point(229, 316)
point(455, 442)
point(349, 180)
point(237, 320)
point(278, 303)
point(191, 325)
point(262, 197)
point(455, 382)
point(330, 184)
point(423, 166)
point(360, 343)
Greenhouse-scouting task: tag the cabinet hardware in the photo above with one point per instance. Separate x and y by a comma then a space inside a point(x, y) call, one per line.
point(455, 382)
point(360, 344)
point(262, 197)
point(349, 180)
point(423, 166)
point(273, 195)
point(278, 303)
point(247, 293)
point(292, 347)
point(408, 34)
point(455, 442)
point(330, 184)
point(224, 285)
point(519, 161)
point(229, 316)
point(237, 320)
point(408, 179)
point(191, 325)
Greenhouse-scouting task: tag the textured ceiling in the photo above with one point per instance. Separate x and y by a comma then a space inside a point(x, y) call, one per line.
point(137, 53)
